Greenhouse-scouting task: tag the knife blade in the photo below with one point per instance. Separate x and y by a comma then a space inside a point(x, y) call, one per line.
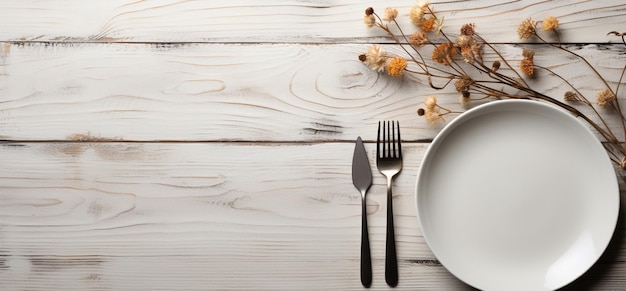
point(362, 180)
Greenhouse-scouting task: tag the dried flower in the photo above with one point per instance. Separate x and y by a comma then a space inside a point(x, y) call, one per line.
point(468, 55)
point(604, 97)
point(416, 15)
point(570, 96)
point(430, 102)
point(526, 29)
point(369, 11)
point(495, 66)
point(396, 67)
point(433, 116)
point(428, 24)
point(464, 99)
point(550, 23)
point(420, 112)
point(444, 53)
point(477, 50)
point(463, 84)
point(369, 20)
point(390, 14)
point(375, 58)
point(418, 39)
point(432, 111)
point(467, 29)
point(464, 40)
point(417, 12)
point(527, 65)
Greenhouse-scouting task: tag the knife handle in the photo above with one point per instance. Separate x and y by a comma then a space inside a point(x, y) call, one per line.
point(366, 259)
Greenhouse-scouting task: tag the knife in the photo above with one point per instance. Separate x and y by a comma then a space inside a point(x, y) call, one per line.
point(362, 179)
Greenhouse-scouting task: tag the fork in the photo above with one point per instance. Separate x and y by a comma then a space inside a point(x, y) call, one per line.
point(389, 163)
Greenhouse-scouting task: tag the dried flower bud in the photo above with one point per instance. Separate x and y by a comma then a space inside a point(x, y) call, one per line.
point(528, 54)
point(390, 14)
point(420, 112)
point(463, 84)
point(527, 66)
point(570, 96)
point(526, 29)
point(362, 57)
point(604, 97)
point(467, 29)
point(550, 23)
point(465, 100)
point(495, 66)
point(369, 20)
point(369, 11)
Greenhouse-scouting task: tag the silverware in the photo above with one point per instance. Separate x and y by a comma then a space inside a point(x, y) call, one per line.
point(389, 162)
point(362, 179)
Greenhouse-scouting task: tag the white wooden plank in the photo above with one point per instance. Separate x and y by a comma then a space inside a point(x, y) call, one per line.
point(320, 21)
point(281, 92)
point(212, 215)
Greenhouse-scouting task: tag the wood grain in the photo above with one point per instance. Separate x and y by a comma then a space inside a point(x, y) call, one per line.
point(279, 21)
point(185, 216)
point(232, 92)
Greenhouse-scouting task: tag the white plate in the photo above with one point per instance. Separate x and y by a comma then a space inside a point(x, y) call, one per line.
point(517, 195)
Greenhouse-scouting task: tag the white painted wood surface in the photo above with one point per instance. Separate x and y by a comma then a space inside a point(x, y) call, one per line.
point(200, 145)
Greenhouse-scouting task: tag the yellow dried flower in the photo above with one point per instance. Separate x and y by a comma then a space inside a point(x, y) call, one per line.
point(375, 58)
point(526, 29)
point(396, 67)
point(427, 24)
point(369, 20)
point(527, 65)
point(550, 23)
point(444, 53)
point(604, 97)
point(390, 14)
point(418, 39)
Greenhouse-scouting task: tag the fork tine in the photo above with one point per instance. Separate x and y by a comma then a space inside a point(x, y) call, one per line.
point(399, 140)
point(378, 141)
point(388, 152)
point(393, 139)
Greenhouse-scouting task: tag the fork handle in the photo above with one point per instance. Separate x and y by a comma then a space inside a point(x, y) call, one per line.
point(391, 260)
point(366, 259)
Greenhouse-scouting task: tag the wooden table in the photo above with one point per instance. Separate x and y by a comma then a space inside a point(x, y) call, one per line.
point(194, 145)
